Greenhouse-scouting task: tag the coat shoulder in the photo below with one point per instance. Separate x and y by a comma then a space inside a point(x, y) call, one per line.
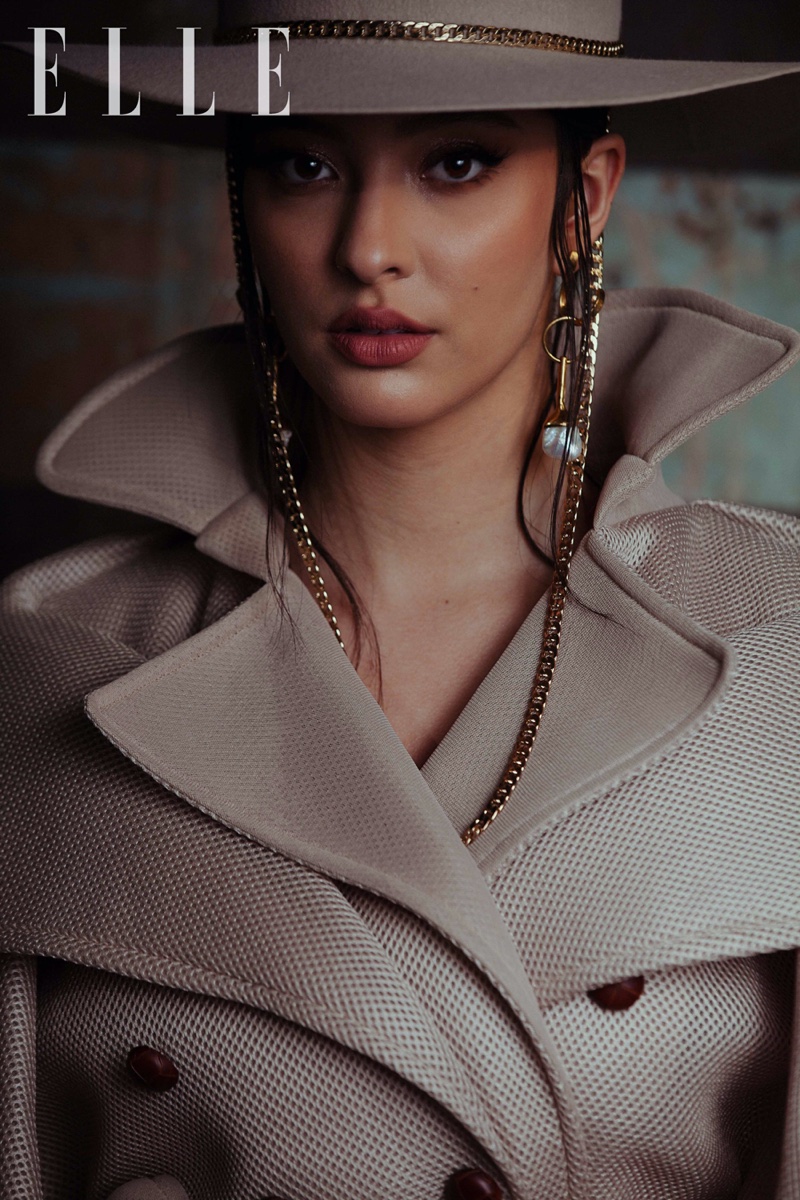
point(75, 621)
point(81, 820)
point(146, 591)
point(730, 567)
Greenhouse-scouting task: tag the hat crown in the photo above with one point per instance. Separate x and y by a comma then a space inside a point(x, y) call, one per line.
point(590, 19)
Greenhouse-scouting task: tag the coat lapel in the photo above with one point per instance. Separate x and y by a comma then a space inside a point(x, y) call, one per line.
point(222, 721)
point(634, 678)
point(692, 854)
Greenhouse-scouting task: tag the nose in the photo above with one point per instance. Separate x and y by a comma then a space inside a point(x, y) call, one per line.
point(375, 234)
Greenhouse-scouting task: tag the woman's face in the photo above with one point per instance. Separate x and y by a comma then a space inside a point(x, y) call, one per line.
point(442, 219)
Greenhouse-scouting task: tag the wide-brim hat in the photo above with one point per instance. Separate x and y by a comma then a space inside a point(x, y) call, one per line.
point(400, 56)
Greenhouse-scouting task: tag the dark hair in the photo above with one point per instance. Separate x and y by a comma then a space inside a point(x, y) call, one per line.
point(576, 129)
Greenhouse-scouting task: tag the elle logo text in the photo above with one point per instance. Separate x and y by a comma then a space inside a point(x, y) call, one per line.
point(42, 70)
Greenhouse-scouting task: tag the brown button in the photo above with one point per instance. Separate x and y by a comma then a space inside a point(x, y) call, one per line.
point(617, 996)
point(474, 1185)
point(152, 1068)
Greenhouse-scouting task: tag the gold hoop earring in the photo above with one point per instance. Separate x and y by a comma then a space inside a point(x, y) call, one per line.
point(555, 432)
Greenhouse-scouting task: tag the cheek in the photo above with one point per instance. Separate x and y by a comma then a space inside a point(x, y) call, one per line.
point(496, 275)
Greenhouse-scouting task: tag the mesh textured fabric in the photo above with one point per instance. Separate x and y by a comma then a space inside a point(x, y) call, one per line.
point(19, 1159)
point(148, 592)
point(491, 1045)
point(651, 900)
point(258, 1107)
point(688, 1114)
point(191, 458)
point(157, 1187)
point(680, 1096)
point(216, 903)
point(697, 1112)
point(686, 557)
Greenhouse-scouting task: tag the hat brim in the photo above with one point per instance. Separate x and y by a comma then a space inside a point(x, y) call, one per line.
point(724, 114)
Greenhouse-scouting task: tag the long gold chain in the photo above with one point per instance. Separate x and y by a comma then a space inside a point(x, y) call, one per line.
point(430, 31)
point(551, 636)
point(294, 509)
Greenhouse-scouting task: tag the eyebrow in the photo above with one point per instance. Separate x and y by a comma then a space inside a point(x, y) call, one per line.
point(414, 123)
point(420, 121)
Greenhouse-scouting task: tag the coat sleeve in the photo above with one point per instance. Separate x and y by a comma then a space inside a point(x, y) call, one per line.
point(161, 1187)
point(20, 1177)
point(20, 1174)
point(789, 1183)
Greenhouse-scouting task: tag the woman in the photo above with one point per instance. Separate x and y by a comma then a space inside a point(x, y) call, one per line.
point(285, 921)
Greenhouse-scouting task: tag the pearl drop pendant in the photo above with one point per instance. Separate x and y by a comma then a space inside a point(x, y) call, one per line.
point(554, 439)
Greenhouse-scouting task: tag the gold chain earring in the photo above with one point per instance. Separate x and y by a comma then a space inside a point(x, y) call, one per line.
point(557, 434)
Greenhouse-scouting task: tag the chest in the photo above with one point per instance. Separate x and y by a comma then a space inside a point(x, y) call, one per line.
point(423, 656)
point(679, 1095)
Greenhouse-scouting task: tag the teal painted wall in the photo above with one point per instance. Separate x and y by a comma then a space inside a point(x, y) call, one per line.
point(738, 238)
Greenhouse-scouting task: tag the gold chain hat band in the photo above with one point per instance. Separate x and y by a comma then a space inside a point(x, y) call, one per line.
point(431, 31)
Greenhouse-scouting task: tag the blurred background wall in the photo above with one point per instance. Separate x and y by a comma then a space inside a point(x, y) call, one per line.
point(109, 248)
point(106, 252)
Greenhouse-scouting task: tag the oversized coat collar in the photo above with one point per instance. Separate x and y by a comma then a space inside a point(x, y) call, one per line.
point(170, 437)
point(316, 770)
point(265, 726)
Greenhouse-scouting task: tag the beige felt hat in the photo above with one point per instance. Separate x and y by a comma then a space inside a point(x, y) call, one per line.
point(379, 56)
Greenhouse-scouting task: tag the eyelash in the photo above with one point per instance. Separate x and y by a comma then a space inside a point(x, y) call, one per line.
point(491, 160)
point(274, 160)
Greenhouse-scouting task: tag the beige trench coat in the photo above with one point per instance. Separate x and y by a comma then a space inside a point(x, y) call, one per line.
point(219, 849)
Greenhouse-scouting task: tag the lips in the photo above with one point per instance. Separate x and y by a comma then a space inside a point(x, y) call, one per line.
point(376, 320)
point(378, 332)
point(379, 337)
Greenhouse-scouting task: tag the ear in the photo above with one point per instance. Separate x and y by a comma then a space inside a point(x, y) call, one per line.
point(603, 169)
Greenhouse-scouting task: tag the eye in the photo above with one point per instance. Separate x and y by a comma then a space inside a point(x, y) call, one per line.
point(291, 166)
point(462, 164)
point(456, 167)
point(303, 168)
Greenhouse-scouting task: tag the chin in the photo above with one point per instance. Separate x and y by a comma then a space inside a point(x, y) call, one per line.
point(377, 398)
point(374, 408)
